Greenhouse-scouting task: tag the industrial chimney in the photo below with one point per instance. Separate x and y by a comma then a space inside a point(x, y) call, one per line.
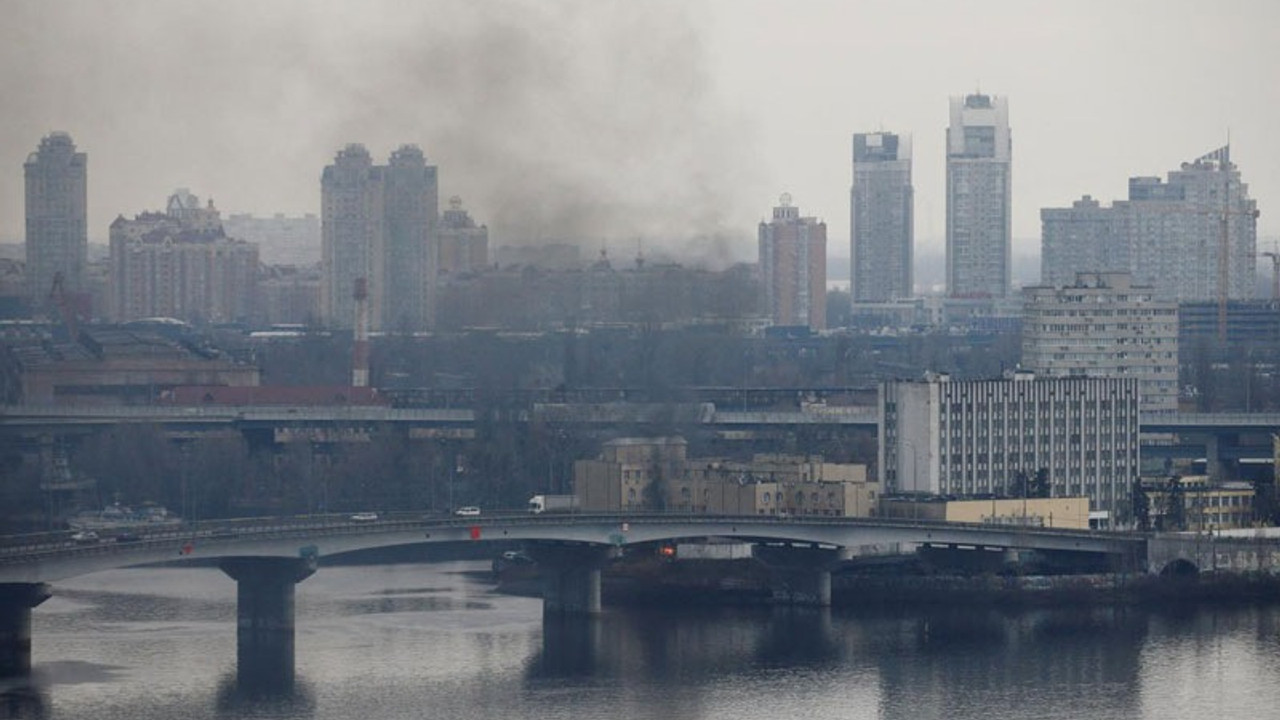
point(360, 352)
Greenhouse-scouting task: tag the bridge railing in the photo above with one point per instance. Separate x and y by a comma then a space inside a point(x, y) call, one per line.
point(22, 549)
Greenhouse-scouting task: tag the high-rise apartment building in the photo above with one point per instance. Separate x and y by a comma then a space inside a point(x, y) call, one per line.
point(1191, 238)
point(378, 222)
point(881, 212)
point(793, 267)
point(1102, 325)
point(57, 234)
point(350, 231)
point(989, 437)
point(1195, 235)
point(979, 198)
point(1085, 237)
point(281, 239)
point(464, 246)
point(181, 264)
point(408, 259)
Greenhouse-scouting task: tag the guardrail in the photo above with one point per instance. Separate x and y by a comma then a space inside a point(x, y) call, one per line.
point(35, 547)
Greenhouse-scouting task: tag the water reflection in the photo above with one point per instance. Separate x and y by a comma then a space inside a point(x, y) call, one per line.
point(797, 636)
point(962, 663)
point(23, 699)
point(440, 643)
point(242, 696)
point(570, 649)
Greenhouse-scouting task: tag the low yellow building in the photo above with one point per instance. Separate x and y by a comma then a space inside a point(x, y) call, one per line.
point(1206, 506)
point(628, 473)
point(1070, 513)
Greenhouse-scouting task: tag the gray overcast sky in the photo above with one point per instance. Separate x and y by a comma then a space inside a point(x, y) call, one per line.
point(617, 120)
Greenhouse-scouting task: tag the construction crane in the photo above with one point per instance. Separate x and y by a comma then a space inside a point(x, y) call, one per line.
point(1222, 157)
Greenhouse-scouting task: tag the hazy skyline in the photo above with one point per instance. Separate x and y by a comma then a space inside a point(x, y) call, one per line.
point(616, 120)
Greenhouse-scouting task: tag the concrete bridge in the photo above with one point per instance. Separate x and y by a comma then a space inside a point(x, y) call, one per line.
point(267, 558)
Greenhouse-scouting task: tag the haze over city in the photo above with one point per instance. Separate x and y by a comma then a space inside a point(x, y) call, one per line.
point(610, 122)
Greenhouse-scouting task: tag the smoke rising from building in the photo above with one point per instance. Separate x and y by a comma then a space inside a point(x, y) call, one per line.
point(587, 121)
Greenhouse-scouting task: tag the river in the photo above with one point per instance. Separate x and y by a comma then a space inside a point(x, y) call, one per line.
point(433, 641)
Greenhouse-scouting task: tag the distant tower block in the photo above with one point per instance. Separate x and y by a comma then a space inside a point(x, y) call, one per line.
point(360, 351)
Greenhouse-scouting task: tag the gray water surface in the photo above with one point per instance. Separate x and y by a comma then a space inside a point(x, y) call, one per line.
point(434, 641)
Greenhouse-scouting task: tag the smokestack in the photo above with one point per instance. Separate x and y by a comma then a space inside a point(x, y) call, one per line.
point(360, 353)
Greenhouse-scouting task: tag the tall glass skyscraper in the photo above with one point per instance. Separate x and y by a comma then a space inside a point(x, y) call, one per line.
point(979, 197)
point(881, 211)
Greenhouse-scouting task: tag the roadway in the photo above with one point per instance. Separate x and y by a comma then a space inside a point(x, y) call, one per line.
point(55, 556)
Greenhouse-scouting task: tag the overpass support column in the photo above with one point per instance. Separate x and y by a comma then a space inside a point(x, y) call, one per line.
point(264, 617)
point(570, 577)
point(800, 575)
point(1213, 466)
point(16, 601)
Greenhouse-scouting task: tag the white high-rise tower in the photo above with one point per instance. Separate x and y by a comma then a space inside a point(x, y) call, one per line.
point(979, 197)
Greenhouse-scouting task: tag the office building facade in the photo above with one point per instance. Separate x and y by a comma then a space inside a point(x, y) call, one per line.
point(985, 437)
point(1102, 325)
point(793, 267)
point(57, 233)
point(979, 198)
point(881, 217)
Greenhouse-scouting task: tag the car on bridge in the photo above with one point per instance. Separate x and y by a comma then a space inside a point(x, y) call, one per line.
point(85, 537)
point(467, 511)
point(365, 517)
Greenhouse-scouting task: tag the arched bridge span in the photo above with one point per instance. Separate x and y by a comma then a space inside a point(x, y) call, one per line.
point(50, 559)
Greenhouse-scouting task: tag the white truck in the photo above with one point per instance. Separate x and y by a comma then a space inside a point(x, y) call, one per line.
point(539, 504)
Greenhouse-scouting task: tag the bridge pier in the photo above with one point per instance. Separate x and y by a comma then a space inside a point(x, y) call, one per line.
point(16, 601)
point(264, 617)
point(800, 575)
point(570, 577)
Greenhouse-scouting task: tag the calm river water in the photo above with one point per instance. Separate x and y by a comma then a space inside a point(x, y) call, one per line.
point(432, 641)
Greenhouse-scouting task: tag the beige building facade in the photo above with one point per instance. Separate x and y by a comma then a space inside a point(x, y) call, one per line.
point(1071, 513)
point(1103, 325)
point(655, 474)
